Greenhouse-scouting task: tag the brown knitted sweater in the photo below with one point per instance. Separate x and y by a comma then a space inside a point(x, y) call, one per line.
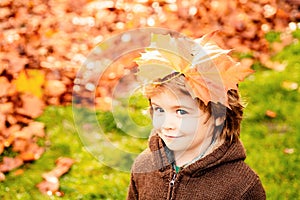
point(221, 174)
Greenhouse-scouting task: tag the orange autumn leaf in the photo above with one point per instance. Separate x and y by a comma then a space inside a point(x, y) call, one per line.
point(32, 106)
point(9, 163)
point(209, 71)
point(50, 184)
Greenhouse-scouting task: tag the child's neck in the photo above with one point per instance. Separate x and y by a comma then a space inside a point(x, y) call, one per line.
point(184, 158)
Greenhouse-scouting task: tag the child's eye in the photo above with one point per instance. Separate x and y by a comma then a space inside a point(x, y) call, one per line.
point(181, 112)
point(159, 109)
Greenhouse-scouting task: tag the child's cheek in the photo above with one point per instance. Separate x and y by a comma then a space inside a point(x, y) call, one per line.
point(157, 121)
point(189, 125)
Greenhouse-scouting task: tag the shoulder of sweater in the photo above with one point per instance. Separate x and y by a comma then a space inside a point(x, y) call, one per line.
point(144, 162)
point(255, 191)
point(245, 176)
point(253, 188)
point(141, 160)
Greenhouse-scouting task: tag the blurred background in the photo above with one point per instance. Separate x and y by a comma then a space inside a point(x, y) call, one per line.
point(44, 43)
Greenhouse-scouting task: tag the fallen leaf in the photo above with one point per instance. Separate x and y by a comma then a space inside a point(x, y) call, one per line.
point(289, 85)
point(289, 150)
point(17, 63)
point(53, 101)
point(271, 114)
point(32, 106)
point(2, 67)
point(11, 119)
point(18, 172)
point(6, 108)
point(54, 88)
point(9, 164)
point(30, 81)
point(35, 128)
point(20, 117)
point(32, 152)
point(48, 187)
point(2, 122)
point(8, 141)
point(19, 145)
point(1, 147)
point(11, 130)
point(5, 86)
point(275, 65)
point(63, 165)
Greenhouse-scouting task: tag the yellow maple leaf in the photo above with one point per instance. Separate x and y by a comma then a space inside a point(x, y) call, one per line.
point(30, 81)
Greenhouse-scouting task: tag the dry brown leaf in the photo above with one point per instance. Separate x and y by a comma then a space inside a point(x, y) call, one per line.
point(63, 165)
point(275, 65)
point(32, 152)
point(23, 134)
point(271, 114)
point(1, 147)
point(53, 101)
point(2, 122)
point(11, 130)
point(11, 119)
point(54, 88)
point(3, 65)
point(6, 108)
point(32, 106)
point(289, 85)
point(19, 145)
point(18, 172)
point(8, 141)
point(5, 86)
point(17, 63)
point(35, 128)
point(289, 150)
point(19, 118)
point(48, 187)
point(9, 164)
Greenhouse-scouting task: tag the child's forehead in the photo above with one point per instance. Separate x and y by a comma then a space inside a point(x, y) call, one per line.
point(173, 98)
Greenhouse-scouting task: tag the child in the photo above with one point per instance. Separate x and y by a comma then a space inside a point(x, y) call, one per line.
point(194, 150)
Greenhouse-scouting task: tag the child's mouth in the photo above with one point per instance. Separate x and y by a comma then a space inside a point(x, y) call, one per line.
point(172, 137)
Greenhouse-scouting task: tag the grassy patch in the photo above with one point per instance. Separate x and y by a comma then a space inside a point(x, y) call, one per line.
point(88, 178)
point(268, 140)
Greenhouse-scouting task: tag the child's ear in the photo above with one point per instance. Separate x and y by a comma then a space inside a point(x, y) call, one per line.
point(219, 121)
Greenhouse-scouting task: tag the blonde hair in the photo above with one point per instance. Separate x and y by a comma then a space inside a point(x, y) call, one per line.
point(230, 129)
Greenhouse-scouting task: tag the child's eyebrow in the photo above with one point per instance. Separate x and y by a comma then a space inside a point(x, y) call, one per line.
point(154, 104)
point(175, 107)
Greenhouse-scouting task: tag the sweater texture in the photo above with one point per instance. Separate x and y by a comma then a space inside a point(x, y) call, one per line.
point(222, 174)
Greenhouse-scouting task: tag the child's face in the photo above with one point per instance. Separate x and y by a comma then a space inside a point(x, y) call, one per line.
point(181, 124)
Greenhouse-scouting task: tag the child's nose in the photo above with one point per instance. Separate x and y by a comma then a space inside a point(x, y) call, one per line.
point(170, 122)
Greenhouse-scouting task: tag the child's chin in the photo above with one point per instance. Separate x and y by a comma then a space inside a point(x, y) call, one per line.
point(174, 146)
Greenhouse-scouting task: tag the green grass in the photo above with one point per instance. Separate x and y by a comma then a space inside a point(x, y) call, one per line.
point(87, 179)
point(265, 140)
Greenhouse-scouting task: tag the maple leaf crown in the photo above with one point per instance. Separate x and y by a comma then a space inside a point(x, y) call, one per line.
point(208, 69)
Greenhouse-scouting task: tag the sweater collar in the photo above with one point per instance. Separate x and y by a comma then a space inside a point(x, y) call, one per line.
point(225, 153)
